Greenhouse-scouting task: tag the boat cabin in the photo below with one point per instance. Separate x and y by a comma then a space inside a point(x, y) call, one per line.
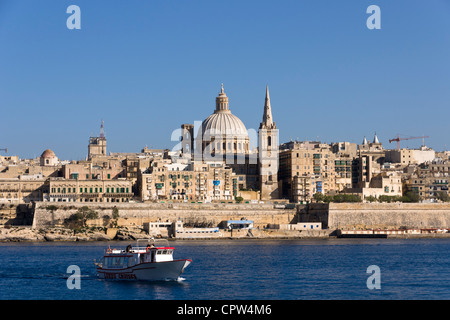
point(145, 251)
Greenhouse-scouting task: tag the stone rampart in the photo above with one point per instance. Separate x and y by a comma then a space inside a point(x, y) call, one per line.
point(53, 214)
point(378, 215)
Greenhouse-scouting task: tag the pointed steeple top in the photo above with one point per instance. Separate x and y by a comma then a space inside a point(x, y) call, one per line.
point(267, 94)
point(364, 140)
point(267, 117)
point(375, 139)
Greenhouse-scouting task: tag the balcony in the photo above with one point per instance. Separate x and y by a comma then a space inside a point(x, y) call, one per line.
point(118, 195)
point(89, 195)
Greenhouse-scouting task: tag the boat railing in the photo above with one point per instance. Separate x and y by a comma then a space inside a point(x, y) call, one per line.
point(142, 244)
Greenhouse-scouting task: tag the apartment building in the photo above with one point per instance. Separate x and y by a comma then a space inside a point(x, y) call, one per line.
point(196, 181)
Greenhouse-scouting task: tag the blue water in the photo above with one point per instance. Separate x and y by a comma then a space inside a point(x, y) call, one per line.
point(231, 269)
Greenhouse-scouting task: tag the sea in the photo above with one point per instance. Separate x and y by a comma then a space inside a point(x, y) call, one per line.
point(325, 269)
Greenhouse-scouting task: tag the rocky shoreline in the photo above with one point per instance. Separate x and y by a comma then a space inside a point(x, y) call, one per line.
point(28, 234)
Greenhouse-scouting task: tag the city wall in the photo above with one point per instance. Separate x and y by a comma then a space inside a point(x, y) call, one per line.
point(378, 215)
point(332, 216)
point(136, 214)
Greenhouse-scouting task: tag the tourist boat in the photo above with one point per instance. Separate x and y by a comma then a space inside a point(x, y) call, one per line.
point(150, 260)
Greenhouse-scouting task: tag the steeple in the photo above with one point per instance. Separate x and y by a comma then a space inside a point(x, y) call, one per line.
point(375, 139)
point(268, 153)
point(267, 117)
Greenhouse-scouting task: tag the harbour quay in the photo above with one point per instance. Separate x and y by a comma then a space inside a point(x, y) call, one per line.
point(212, 220)
point(125, 221)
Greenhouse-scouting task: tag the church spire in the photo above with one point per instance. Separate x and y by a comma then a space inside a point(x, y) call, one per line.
point(375, 139)
point(267, 117)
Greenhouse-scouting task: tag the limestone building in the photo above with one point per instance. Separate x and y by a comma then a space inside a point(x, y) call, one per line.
point(97, 145)
point(48, 159)
point(306, 168)
point(430, 180)
point(78, 190)
point(222, 133)
point(194, 181)
point(410, 156)
point(224, 137)
point(268, 144)
point(23, 189)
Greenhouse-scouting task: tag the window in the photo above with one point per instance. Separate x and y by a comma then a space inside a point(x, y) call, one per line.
point(269, 141)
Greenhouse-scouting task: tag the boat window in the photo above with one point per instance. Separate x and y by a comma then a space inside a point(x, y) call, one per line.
point(159, 252)
point(164, 252)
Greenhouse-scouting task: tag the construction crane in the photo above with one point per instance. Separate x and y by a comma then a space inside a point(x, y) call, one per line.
point(409, 138)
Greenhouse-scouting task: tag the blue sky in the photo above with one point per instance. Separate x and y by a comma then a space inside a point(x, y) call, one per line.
point(147, 66)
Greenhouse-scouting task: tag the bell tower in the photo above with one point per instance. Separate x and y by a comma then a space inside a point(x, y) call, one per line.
point(268, 153)
point(97, 145)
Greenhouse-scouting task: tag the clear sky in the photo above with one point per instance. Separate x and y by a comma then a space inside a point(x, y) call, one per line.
point(147, 66)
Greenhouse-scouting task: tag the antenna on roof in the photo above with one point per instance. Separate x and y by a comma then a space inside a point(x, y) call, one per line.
point(102, 132)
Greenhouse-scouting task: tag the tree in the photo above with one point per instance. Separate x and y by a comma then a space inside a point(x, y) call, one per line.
point(83, 214)
point(115, 213)
point(443, 196)
point(370, 199)
point(318, 197)
point(115, 216)
point(412, 196)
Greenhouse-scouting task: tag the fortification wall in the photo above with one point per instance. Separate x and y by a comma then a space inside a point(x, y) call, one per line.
point(379, 215)
point(139, 213)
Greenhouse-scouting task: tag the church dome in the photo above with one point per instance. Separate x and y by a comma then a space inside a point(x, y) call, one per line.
point(225, 124)
point(48, 158)
point(48, 154)
point(222, 121)
point(223, 131)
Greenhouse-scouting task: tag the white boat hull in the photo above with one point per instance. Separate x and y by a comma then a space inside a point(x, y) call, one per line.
point(148, 271)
